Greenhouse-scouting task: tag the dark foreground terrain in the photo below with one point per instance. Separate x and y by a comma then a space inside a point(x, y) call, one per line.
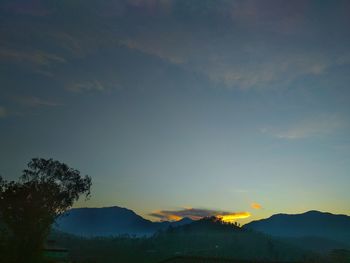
point(207, 240)
point(190, 259)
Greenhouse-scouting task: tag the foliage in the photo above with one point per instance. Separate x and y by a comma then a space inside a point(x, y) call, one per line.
point(28, 207)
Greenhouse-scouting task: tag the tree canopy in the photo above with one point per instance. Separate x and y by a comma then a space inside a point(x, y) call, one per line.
point(29, 206)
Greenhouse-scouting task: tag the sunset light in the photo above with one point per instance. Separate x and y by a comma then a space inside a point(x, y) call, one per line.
point(231, 218)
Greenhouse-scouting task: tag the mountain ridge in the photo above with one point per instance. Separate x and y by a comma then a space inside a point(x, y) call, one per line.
point(115, 221)
point(110, 221)
point(312, 223)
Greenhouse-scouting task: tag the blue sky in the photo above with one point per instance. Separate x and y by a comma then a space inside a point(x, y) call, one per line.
point(172, 104)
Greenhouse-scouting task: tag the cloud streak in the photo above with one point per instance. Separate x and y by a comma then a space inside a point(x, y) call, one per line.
point(313, 127)
point(196, 214)
point(37, 57)
point(86, 86)
point(235, 55)
point(33, 101)
point(232, 58)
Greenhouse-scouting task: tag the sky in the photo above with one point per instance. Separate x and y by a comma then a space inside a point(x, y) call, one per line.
point(182, 108)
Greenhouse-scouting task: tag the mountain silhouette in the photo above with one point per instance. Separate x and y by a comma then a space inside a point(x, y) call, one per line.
point(110, 221)
point(211, 236)
point(208, 225)
point(324, 226)
point(204, 238)
point(207, 237)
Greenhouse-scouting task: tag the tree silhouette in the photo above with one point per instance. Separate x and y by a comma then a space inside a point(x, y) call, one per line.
point(29, 207)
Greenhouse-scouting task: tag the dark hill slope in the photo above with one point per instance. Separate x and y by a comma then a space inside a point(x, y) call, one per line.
point(205, 238)
point(109, 221)
point(210, 237)
point(309, 224)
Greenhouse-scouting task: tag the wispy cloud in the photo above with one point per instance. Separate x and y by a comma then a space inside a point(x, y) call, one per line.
point(196, 214)
point(233, 58)
point(86, 86)
point(317, 126)
point(231, 63)
point(33, 101)
point(250, 51)
point(37, 57)
point(3, 112)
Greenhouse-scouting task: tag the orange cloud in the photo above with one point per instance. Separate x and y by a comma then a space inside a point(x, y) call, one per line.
point(166, 216)
point(196, 214)
point(256, 206)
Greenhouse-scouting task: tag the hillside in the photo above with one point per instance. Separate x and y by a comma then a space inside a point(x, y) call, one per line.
point(109, 221)
point(313, 228)
point(203, 238)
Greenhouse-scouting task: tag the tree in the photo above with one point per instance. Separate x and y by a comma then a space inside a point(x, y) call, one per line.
point(29, 207)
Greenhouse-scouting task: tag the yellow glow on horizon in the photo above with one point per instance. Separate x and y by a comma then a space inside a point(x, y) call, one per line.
point(174, 217)
point(231, 218)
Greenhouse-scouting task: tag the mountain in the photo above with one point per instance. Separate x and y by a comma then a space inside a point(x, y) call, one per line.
point(109, 221)
point(332, 229)
point(205, 238)
point(211, 237)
